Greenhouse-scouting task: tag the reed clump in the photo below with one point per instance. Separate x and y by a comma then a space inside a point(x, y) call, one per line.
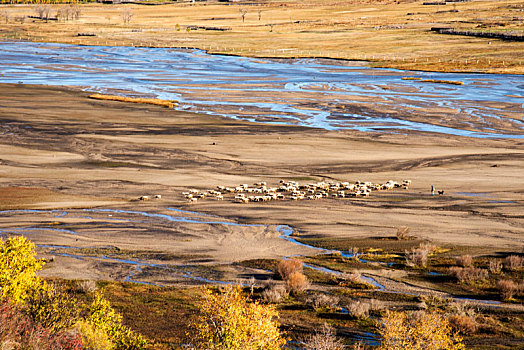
point(437, 81)
point(151, 101)
point(451, 82)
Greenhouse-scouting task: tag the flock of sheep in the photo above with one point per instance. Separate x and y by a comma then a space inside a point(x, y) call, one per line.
point(292, 190)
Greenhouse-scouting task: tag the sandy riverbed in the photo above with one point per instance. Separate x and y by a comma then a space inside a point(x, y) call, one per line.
point(59, 149)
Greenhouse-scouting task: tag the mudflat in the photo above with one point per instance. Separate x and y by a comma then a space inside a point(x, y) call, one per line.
point(72, 170)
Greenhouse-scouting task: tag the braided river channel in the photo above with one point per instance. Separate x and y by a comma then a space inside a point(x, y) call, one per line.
point(325, 94)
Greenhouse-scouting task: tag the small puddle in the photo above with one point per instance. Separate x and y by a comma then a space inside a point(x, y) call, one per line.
point(474, 194)
point(485, 195)
point(435, 274)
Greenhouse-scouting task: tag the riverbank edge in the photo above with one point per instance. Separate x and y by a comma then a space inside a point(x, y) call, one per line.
point(368, 63)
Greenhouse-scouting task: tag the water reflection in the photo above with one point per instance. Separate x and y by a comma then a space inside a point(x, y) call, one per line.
point(308, 92)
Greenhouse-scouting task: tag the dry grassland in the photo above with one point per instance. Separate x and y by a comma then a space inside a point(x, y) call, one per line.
point(384, 33)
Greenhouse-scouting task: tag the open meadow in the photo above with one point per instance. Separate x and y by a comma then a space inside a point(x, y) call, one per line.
point(383, 33)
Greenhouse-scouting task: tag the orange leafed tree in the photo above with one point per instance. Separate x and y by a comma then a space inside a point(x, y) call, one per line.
point(228, 320)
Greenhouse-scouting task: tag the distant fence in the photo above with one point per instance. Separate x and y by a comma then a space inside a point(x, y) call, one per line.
point(442, 2)
point(43, 2)
point(503, 36)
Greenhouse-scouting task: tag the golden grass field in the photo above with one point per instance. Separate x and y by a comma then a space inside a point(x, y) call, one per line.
point(384, 33)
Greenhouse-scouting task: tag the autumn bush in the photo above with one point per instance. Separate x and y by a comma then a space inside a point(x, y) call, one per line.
point(460, 308)
point(86, 286)
point(290, 270)
point(462, 323)
point(402, 233)
point(105, 319)
point(418, 257)
point(92, 338)
point(495, 266)
point(464, 260)
point(507, 288)
point(353, 252)
point(286, 267)
point(514, 262)
point(461, 315)
point(297, 282)
point(19, 331)
point(324, 339)
point(358, 308)
point(434, 302)
point(418, 331)
point(467, 274)
point(322, 300)
point(18, 267)
point(227, 320)
point(47, 317)
point(52, 308)
point(274, 292)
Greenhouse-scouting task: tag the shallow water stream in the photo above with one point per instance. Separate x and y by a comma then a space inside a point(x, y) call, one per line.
point(318, 93)
point(182, 271)
point(285, 231)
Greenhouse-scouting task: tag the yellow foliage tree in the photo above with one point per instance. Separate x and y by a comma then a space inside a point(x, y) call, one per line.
point(56, 310)
point(420, 331)
point(51, 307)
point(18, 267)
point(228, 321)
point(92, 338)
point(104, 318)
